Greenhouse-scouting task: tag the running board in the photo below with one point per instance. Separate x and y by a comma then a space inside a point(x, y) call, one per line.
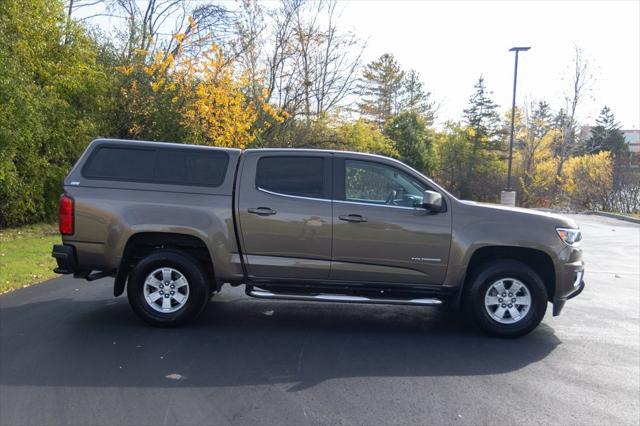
point(263, 294)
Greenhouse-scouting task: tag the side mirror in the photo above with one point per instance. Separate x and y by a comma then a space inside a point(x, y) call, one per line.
point(432, 201)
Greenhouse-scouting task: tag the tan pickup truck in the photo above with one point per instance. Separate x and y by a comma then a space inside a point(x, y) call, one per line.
point(174, 223)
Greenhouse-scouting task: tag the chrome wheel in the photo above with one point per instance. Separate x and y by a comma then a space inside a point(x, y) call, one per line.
point(507, 301)
point(166, 290)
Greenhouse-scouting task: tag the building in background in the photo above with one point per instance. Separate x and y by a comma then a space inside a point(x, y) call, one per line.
point(632, 137)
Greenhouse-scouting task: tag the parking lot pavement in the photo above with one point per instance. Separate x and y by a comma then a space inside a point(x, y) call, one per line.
point(72, 354)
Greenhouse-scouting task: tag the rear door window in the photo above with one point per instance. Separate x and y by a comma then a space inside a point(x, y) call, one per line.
point(294, 175)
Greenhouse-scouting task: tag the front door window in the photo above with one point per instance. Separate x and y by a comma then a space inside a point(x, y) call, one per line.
point(373, 183)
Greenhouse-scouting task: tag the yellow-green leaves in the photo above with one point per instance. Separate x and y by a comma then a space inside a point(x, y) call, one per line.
point(588, 179)
point(201, 96)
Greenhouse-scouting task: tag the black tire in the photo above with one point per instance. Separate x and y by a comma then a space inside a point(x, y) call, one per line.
point(198, 288)
point(488, 274)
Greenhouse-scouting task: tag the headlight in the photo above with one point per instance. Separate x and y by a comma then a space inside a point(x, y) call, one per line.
point(570, 236)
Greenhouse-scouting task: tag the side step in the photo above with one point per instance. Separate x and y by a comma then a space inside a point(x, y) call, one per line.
point(263, 294)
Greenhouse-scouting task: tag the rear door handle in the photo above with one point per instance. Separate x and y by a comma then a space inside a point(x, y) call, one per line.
point(355, 218)
point(262, 211)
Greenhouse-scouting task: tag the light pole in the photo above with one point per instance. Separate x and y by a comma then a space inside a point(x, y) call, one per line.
point(508, 196)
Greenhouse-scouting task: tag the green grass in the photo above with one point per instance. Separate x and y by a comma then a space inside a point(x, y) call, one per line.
point(25, 255)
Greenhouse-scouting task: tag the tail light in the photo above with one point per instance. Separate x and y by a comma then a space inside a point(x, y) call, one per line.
point(65, 215)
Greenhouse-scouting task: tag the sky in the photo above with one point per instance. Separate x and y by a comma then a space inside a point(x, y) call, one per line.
point(452, 43)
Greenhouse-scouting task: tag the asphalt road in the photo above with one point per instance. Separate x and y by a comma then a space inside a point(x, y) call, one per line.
point(72, 354)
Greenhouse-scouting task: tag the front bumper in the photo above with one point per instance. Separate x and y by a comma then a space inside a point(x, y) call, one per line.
point(571, 285)
point(578, 291)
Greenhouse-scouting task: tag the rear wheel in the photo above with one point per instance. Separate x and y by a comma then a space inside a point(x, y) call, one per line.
point(506, 298)
point(167, 288)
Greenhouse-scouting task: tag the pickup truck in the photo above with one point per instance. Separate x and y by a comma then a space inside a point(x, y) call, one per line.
point(173, 223)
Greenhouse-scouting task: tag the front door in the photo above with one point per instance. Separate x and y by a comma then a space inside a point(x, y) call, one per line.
point(380, 234)
point(284, 207)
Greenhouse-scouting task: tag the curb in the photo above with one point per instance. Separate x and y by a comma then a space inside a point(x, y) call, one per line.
point(613, 216)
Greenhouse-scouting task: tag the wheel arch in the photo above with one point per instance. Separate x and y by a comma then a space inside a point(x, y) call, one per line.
point(536, 259)
point(141, 244)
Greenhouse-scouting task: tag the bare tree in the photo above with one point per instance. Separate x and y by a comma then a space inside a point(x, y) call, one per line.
point(305, 65)
point(327, 60)
point(247, 47)
point(283, 61)
point(338, 58)
point(580, 81)
point(150, 25)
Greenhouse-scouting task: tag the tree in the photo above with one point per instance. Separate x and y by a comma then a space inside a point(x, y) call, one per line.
point(536, 168)
point(565, 120)
point(605, 136)
point(588, 180)
point(319, 133)
point(534, 153)
point(409, 132)
point(296, 56)
point(451, 153)
point(192, 100)
point(416, 99)
point(363, 136)
point(484, 143)
point(482, 113)
point(381, 89)
point(52, 103)
point(324, 59)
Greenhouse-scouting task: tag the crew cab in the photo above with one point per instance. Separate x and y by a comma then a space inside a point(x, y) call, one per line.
point(174, 223)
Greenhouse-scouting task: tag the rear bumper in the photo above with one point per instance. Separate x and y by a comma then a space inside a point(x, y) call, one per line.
point(65, 256)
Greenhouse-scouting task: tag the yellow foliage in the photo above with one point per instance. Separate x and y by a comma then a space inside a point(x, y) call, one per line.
point(216, 112)
point(536, 164)
point(471, 132)
point(203, 94)
point(125, 70)
point(588, 179)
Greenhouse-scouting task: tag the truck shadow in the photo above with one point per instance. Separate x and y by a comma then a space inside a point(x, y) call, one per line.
point(241, 341)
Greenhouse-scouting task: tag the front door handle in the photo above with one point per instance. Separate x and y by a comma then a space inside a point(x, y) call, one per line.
point(262, 211)
point(354, 218)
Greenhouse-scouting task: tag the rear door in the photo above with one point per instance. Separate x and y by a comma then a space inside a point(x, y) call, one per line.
point(285, 214)
point(379, 234)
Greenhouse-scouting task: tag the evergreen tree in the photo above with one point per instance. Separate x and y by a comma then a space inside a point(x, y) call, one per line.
point(540, 121)
point(381, 89)
point(566, 131)
point(482, 113)
point(408, 130)
point(605, 136)
point(483, 130)
point(416, 99)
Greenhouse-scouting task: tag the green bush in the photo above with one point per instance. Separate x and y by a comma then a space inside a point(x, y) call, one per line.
point(52, 103)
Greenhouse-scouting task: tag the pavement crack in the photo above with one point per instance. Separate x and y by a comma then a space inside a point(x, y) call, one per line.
point(301, 355)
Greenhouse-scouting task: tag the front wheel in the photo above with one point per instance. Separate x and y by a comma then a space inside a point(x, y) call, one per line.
point(167, 288)
point(506, 298)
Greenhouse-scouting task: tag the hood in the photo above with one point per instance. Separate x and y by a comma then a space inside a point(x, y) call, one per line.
point(526, 214)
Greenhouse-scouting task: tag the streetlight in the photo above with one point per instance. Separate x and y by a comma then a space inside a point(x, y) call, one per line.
point(508, 196)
